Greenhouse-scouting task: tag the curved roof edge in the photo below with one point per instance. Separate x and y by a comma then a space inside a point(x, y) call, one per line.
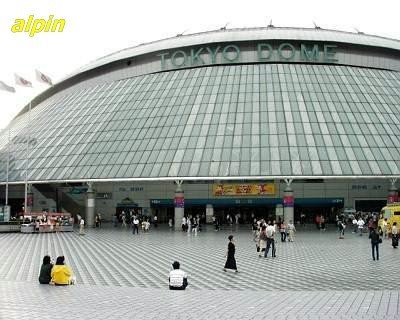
point(244, 34)
point(207, 178)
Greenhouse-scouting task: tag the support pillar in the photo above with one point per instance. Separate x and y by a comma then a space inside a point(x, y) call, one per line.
point(179, 204)
point(393, 195)
point(6, 212)
point(90, 206)
point(288, 202)
point(29, 199)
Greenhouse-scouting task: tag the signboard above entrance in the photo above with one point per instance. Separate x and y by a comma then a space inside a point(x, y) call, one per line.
point(244, 189)
point(263, 52)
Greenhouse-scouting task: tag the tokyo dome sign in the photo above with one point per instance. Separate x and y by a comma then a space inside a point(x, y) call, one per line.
point(262, 52)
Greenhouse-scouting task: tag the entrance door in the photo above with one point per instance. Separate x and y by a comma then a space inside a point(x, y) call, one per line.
point(370, 205)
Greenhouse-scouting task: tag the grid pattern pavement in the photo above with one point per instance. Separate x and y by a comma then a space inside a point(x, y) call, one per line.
point(118, 274)
point(21, 301)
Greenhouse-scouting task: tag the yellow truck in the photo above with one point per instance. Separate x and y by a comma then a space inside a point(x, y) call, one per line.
point(391, 212)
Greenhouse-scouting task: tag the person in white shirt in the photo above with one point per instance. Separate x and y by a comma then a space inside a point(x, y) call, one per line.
point(184, 225)
point(355, 226)
point(135, 225)
point(291, 229)
point(177, 278)
point(82, 227)
point(270, 231)
point(147, 225)
point(384, 228)
point(360, 224)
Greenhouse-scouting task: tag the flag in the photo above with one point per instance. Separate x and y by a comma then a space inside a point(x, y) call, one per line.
point(22, 82)
point(43, 78)
point(5, 87)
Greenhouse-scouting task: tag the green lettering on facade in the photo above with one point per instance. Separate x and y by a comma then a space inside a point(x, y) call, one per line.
point(178, 55)
point(309, 55)
point(162, 55)
point(231, 53)
point(266, 52)
point(213, 54)
point(261, 49)
point(329, 53)
point(195, 57)
point(292, 51)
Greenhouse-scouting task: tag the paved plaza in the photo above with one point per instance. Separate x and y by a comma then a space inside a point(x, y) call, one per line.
point(121, 275)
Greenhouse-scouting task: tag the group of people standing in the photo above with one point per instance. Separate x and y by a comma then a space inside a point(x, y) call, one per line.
point(191, 224)
point(264, 235)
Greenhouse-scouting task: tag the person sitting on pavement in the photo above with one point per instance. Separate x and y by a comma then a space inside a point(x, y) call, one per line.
point(45, 271)
point(177, 278)
point(61, 274)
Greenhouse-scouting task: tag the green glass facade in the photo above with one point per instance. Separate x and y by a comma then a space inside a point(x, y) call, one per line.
point(241, 120)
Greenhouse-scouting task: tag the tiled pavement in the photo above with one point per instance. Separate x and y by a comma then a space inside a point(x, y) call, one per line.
point(121, 275)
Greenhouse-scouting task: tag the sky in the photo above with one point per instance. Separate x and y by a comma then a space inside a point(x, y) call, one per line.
point(96, 28)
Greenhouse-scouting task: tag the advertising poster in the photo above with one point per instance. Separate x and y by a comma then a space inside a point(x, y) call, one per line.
point(251, 189)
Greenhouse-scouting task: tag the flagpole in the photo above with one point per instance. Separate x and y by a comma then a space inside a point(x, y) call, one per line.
point(8, 164)
point(27, 158)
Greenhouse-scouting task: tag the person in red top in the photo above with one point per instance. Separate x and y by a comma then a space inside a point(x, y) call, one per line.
point(318, 221)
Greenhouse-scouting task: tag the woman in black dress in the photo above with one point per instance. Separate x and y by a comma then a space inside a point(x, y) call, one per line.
point(230, 261)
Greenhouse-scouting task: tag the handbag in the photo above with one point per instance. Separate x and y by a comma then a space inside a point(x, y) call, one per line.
point(380, 240)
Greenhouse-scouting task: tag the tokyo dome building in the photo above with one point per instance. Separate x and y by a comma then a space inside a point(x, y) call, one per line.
point(261, 121)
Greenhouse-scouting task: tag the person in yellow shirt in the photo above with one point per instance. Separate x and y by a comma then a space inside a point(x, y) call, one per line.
point(61, 275)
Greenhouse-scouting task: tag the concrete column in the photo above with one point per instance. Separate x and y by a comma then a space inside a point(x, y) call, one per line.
point(209, 213)
point(90, 206)
point(7, 212)
point(29, 199)
point(288, 202)
point(279, 212)
point(179, 204)
point(393, 195)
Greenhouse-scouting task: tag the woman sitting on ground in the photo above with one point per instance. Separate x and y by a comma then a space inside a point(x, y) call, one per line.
point(61, 275)
point(45, 270)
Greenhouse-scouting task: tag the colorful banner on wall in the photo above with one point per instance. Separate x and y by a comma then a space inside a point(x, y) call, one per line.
point(288, 201)
point(251, 189)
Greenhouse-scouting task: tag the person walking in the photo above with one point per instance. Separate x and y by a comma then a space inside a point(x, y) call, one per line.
point(384, 228)
point(135, 225)
point(291, 230)
point(322, 222)
point(123, 220)
point(375, 241)
point(282, 230)
point(262, 240)
point(270, 231)
point(99, 216)
point(395, 235)
point(360, 224)
point(355, 226)
point(82, 227)
point(155, 221)
point(341, 227)
point(230, 255)
point(184, 224)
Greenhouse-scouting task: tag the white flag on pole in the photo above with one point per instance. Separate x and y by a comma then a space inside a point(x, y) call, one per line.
point(6, 87)
point(41, 77)
point(22, 82)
